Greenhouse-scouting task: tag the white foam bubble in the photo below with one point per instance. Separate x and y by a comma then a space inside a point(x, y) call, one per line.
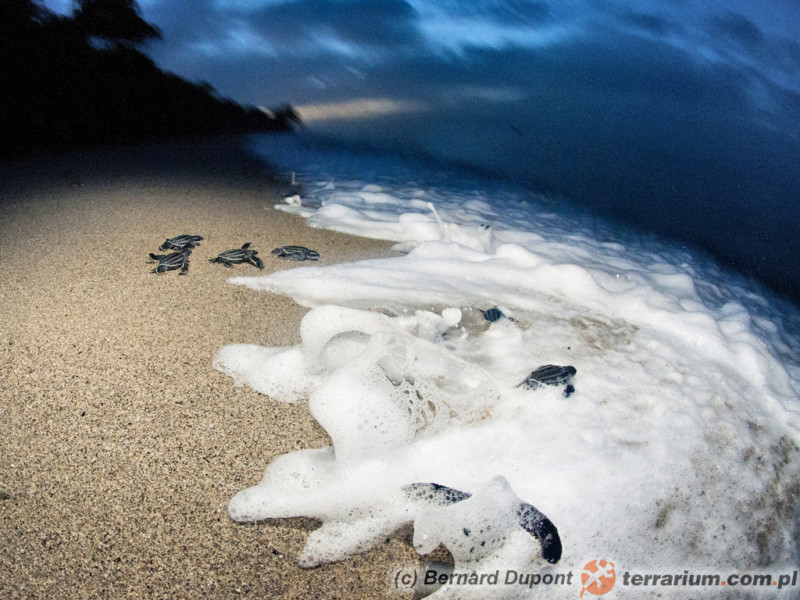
point(679, 446)
point(277, 372)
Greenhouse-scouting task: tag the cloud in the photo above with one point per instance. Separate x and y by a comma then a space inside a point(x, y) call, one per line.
point(324, 51)
point(360, 28)
point(740, 30)
point(456, 26)
point(654, 25)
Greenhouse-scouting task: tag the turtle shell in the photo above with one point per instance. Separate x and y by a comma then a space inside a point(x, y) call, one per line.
point(549, 375)
point(299, 253)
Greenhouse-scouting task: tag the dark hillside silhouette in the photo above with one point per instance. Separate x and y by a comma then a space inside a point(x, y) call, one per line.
point(81, 81)
point(114, 21)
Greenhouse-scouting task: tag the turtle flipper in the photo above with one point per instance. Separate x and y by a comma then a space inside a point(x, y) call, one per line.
point(254, 260)
point(542, 528)
point(435, 493)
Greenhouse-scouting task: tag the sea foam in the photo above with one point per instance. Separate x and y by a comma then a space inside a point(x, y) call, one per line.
point(678, 448)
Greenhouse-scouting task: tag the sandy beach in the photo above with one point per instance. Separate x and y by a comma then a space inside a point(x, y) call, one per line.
point(120, 445)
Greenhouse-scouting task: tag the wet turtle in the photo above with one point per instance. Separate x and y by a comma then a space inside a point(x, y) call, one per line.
point(550, 375)
point(239, 255)
point(180, 242)
point(176, 260)
point(492, 315)
point(299, 253)
point(528, 516)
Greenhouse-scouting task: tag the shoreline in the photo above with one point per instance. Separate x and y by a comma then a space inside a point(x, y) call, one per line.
point(122, 445)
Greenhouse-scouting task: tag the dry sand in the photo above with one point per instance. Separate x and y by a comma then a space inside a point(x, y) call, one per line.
point(120, 446)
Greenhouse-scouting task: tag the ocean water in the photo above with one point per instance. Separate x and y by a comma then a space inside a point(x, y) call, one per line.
point(676, 446)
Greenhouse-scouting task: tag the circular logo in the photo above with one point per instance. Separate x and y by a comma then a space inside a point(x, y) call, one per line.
point(598, 577)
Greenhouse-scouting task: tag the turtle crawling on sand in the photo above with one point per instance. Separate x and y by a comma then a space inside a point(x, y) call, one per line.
point(299, 253)
point(180, 242)
point(239, 255)
point(176, 260)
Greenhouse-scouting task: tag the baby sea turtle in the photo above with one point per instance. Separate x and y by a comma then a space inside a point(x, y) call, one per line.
point(493, 315)
point(176, 260)
point(528, 516)
point(239, 255)
point(180, 242)
point(300, 253)
point(550, 375)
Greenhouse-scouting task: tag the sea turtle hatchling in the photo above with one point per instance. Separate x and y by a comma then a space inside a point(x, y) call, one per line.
point(176, 260)
point(551, 375)
point(299, 253)
point(492, 315)
point(180, 242)
point(528, 516)
point(239, 255)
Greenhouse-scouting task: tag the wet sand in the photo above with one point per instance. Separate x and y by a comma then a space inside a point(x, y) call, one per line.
point(120, 446)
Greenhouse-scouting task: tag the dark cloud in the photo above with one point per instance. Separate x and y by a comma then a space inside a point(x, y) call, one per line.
point(789, 57)
point(362, 23)
point(652, 24)
point(740, 30)
point(504, 12)
point(649, 23)
point(183, 23)
point(788, 103)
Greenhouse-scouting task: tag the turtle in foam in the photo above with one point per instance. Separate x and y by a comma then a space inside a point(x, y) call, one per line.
point(554, 375)
point(471, 538)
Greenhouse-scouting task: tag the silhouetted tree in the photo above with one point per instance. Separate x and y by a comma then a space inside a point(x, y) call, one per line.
point(80, 80)
point(285, 115)
point(114, 22)
point(16, 14)
point(20, 22)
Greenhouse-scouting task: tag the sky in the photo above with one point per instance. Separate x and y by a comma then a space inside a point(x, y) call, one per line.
point(681, 115)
